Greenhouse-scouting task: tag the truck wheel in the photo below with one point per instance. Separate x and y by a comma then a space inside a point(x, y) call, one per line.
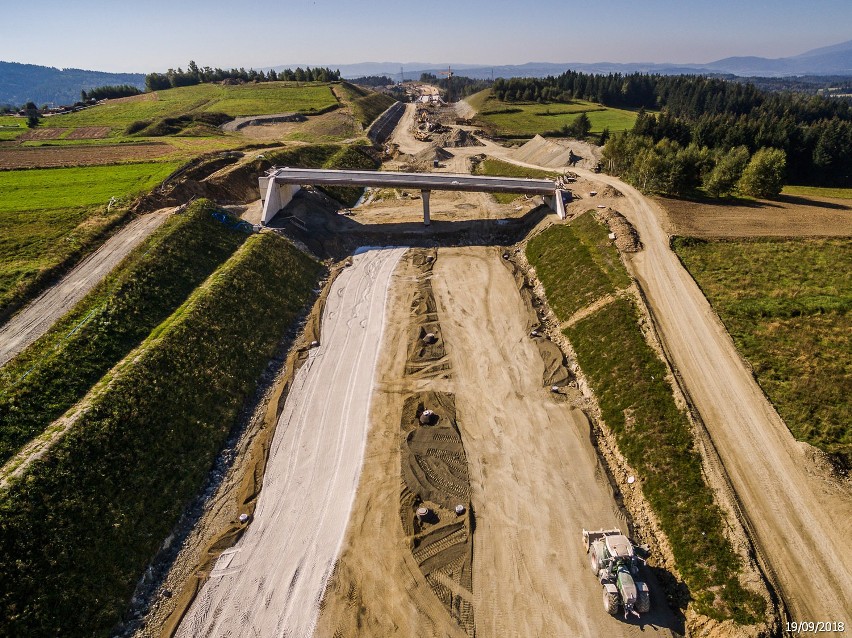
point(593, 561)
point(643, 601)
point(610, 602)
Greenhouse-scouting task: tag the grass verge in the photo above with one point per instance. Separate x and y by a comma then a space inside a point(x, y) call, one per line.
point(636, 401)
point(50, 376)
point(50, 218)
point(818, 191)
point(790, 319)
point(78, 529)
point(499, 168)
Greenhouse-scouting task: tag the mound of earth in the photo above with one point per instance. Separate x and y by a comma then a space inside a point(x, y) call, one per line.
point(459, 138)
point(557, 153)
point(626, 238)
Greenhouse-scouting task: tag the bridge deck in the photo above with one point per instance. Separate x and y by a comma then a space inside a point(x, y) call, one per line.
point(423, 181)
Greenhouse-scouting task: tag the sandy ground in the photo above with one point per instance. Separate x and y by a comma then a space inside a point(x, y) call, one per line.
point(36, 318)
point(271, 582)
point(800, 518)
point(535, 479)
point(403, 134)
point(787, 216)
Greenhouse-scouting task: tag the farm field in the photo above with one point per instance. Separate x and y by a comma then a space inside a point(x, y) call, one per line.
point(526, 119)
point(791, 321)
point(49, 215)
point(245, 99)
point(790, 215)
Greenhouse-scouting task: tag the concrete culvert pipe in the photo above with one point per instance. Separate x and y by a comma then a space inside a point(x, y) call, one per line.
point(430, 338)
point(422, 513)
point(460, 509)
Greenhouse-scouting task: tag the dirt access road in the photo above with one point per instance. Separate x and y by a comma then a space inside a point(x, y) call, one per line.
point(800, 519)
point(535, 479)
point(271, 582)
point(39, 315)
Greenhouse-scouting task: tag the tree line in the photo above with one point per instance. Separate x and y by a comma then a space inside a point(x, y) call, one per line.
point(197, 75)
point(109, 92)
point(813, 132)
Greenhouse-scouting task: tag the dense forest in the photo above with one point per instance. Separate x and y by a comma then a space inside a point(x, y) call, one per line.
point(197, 75)
point(701, 121)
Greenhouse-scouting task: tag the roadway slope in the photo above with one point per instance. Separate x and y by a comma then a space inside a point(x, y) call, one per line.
point(39, 315)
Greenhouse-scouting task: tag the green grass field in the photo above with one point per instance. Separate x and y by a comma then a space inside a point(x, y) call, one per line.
point(786, 304)
point(526, 119)
point(11, 127)
point(818, 191)
point(48, 216)
point(637, 404)
point(236, 101)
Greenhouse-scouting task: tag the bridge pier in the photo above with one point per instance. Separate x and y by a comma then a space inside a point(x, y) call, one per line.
point(424, 195)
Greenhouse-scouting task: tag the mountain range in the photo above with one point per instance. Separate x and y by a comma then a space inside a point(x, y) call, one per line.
point(20, 83)
point(833, 60)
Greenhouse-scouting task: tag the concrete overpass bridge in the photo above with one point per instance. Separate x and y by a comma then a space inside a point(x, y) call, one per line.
point(279, 185)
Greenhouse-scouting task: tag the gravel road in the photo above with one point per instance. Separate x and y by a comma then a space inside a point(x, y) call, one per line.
point(270, 583)
point(39, 315)
point(800, 519)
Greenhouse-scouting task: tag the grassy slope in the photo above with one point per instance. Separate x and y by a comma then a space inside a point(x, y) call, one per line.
point(236, 101)
point(55, 372)
point(637, 404)
point(50, 216)
point(499, 168)
point(790, 318)
point(78, 530)
point(366, 105)
point(523, 119)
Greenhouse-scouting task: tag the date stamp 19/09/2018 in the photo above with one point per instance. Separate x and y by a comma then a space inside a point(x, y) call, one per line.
point(815, 627)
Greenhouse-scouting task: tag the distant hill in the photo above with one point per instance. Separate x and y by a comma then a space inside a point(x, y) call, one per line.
point(22, 83)
point(830, 60)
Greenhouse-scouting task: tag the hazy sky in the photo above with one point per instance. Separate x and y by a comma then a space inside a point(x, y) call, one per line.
point(153, 35)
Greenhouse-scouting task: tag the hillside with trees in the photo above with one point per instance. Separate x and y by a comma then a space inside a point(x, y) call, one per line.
point(706, 130)
point(22, 83)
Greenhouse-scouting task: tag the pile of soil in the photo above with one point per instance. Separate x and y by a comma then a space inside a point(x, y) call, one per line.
point(558, 153)
point(626, 238)
point(432, 152)
point(459, 138)
point(610, 191)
